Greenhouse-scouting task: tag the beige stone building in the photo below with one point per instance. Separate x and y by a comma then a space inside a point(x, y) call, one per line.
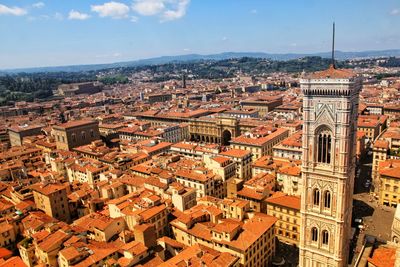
point(387, 146)
point(263, 104)
point(289, 179)
point(223, 166)
point(8, 236)
point(330, 107)
point(389, 176)
point(182, 197)
point(243, 159)
point(287, 210)
point(18, 132)
point(52, 199)
point(252, 241)
point(290, 147)
point(218, 130)
point(260, 140)
point(75, 133)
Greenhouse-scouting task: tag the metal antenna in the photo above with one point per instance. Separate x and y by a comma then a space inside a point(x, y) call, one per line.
point(333, 45)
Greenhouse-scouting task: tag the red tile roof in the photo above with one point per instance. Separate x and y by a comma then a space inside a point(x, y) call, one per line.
point(285, 200)
point(333, 73)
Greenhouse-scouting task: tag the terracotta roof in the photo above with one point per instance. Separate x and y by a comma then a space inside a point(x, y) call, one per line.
point(383, 257)
point(53, 241)
point(381, 144)
point(5, 253)
point(75, 123)
point(390, 168)
point(13, 262)
point(237, 153)
point(199, 255)
point(47, 189)
point(282, 199)
point(250, 193)
point(332, 73)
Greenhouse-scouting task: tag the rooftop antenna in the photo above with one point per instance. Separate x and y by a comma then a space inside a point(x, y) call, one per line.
point(333, 45)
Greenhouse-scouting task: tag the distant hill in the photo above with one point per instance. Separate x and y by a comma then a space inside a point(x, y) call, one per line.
point(340, 55)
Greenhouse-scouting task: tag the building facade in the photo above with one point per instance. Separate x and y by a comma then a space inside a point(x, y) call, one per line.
point(330, 107)
point(75, 133)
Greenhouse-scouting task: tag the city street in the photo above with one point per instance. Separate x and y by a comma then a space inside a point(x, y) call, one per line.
point(377, 218)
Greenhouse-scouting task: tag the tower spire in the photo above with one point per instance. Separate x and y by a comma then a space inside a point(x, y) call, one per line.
point(333, 45)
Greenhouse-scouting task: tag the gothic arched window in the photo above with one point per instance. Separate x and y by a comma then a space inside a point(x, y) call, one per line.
point(327, 199)
point(325, 237)
point(324, 147)
point(314, 234)
point(316, 196)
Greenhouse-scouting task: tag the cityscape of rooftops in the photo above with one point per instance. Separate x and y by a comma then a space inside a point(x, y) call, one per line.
point(196, 133)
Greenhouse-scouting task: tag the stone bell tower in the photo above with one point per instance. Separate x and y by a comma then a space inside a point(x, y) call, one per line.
point(330, 108)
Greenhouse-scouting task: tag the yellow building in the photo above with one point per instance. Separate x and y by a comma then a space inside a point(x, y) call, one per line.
point(232, 208)
point(252, 241)
point(218, 130)
point(222, 166)
point(371, 125)
point(387, 146)
point(7, 236)
point(263, 104)
point(182, 197)
point(100, 227)
point(389, 172)
point(287, 210)
point(243, 159)
point(260, 141)
point(52, 199)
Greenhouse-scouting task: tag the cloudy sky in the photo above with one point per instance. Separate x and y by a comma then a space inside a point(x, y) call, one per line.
point(64, 32)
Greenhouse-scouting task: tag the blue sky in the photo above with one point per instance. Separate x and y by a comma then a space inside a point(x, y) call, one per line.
point(65, 32)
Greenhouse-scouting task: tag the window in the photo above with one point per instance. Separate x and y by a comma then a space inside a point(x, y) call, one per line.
point(325, 237)
point(316, 196)
point(314, 234)
point(324, 147)
point(327, 199)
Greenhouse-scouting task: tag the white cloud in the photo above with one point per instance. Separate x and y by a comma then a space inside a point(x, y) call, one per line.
point(253, 11)
point(112, 9)
point(134, 19)
point(186, 49)
point(178, 12)
point(148, 7)
point(166, 9)
point(78, 15)
point(15, 11)
point(395, 12)
point(224, 38)
point(38, 5)
point(58, 16)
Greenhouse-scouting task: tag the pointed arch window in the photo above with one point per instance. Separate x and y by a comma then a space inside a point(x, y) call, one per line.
point(325, 237)
point(324, 147)
point(316, 196)
point(314, 234)
point(327, 199)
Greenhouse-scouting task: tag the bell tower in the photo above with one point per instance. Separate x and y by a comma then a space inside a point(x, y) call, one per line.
point(330, 108)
